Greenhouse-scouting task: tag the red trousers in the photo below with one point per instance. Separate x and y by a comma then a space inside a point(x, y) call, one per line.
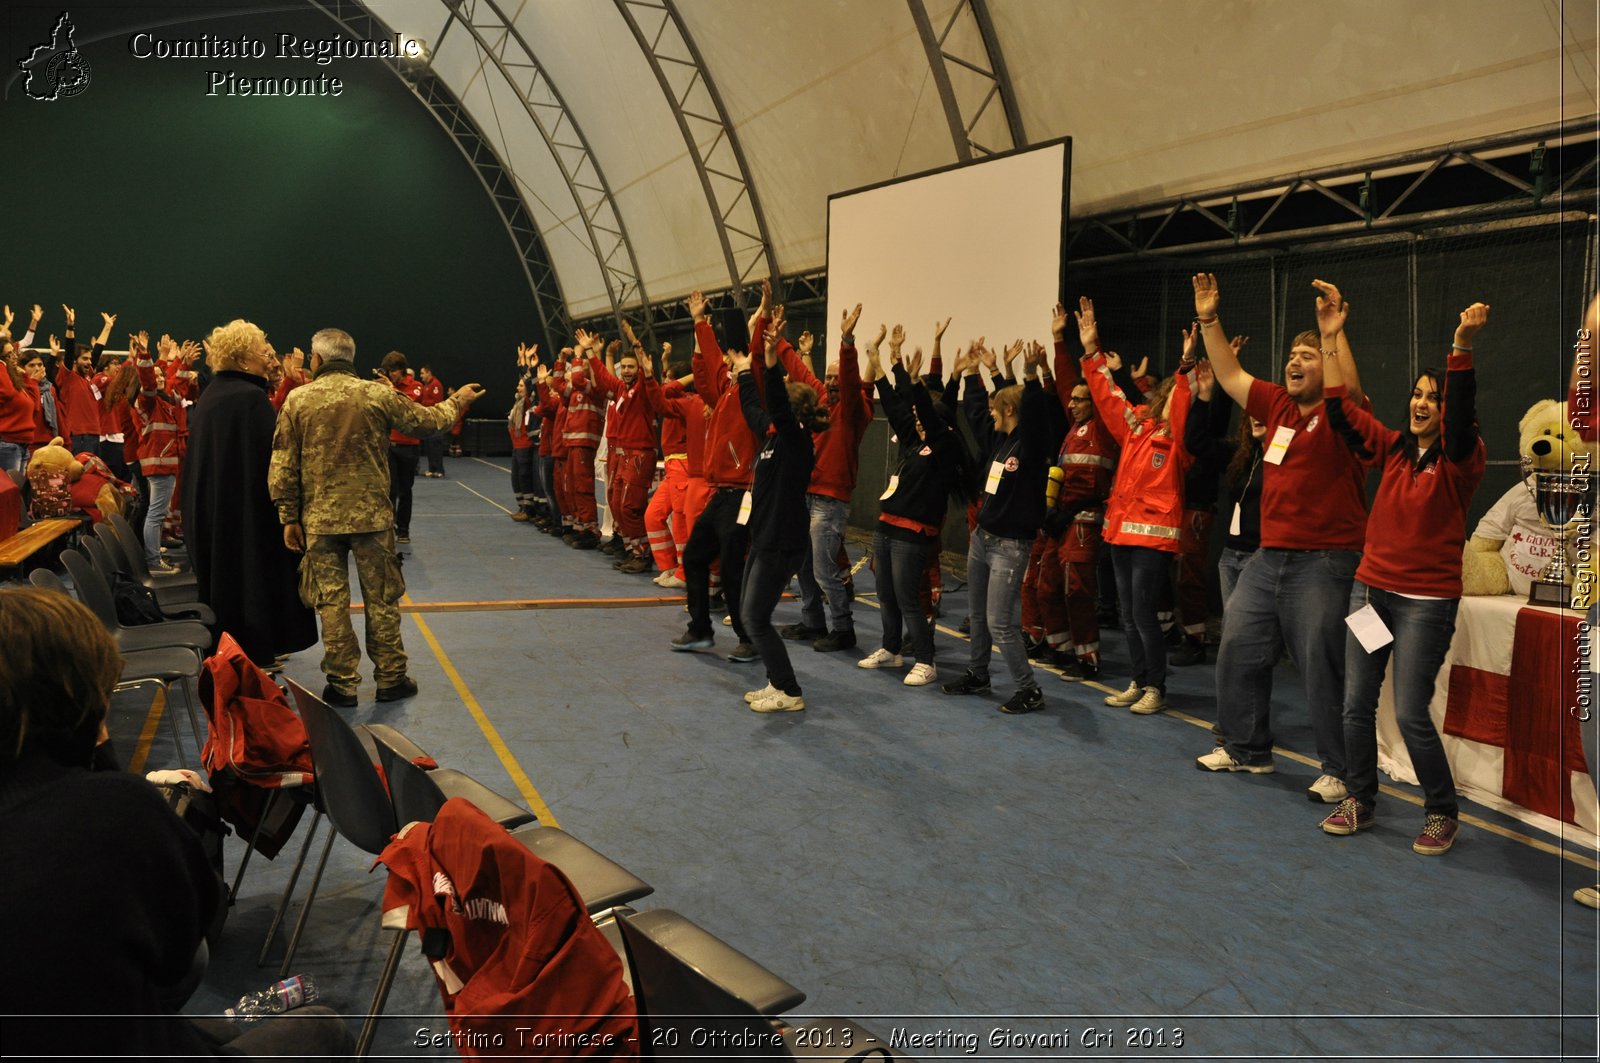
point(563, 490)
point(580, 489)
point(1194, 550)
point(666, 520)
point(1067, 589)
point(627, 492)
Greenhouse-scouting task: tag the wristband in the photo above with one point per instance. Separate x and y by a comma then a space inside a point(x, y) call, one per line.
point(1212, 320)
point(1458, 347)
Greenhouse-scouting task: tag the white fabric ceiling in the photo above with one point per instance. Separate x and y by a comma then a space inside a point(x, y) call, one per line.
point(1161, 98)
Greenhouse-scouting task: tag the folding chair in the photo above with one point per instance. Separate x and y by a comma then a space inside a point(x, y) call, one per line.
point(106, 553)
point(141, 569)
point(161, 666)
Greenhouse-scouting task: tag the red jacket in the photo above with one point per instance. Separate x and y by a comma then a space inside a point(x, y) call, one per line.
point(159, 422)
point(1146, 507)
point(522, 961)
point(730, 445)
point(585, 412)
point(411, 389)
point(683, 426)
point(1088, 455)
point(432, 392)
point(838, 448)
point(549, 410)
point(16, 411)
point(77, 412)
point(632, 411)
point(286, 385)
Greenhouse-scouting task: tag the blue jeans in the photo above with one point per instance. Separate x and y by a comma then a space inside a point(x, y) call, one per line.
point(995, 568)
point(1229, 565)
point(898, 567)
point(1422, 630)
point(1143, 574)
point(160, 488)
point(11, 455)
point(820, 574)
point(766, 574)
point(1293, 598)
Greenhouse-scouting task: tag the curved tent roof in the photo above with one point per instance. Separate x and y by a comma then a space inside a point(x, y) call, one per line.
point(787, 101)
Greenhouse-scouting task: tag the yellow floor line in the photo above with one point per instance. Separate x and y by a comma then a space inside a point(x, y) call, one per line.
point(483, 496)
point(408, 606)
point(147, 735)
point(1300, 758)
point(518, 776)
point(491, 464)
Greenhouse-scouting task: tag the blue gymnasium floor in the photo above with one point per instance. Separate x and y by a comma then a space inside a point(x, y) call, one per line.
point(923, 862)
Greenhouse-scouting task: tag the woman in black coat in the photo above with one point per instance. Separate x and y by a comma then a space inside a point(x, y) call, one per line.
point(245, 573)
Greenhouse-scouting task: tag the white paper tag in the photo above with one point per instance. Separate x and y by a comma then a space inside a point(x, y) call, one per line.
point(992, 484)
point(1279, 445)
point(1233, 525)
point(894, 482)
point(1369, 629)
point(744, 509)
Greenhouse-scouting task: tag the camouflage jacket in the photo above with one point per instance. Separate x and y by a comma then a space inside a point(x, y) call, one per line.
point(330, 453)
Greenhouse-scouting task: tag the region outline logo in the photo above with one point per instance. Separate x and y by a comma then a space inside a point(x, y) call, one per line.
point(55, 70)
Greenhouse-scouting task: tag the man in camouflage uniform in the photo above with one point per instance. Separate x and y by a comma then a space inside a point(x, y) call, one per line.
point(330, 481)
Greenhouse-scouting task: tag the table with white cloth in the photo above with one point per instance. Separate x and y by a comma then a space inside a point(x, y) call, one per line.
point(1501, 703)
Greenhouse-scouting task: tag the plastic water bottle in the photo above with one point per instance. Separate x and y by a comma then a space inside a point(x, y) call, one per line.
point(281, 996)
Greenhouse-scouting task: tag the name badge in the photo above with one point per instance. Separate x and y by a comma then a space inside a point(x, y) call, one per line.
point(992, 484)
point(1279, 445)
point(894, 482)
point(1369, 629)
point(1233, 525)
point(744, 509)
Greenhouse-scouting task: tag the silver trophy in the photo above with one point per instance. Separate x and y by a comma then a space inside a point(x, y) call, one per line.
point(1565, 501)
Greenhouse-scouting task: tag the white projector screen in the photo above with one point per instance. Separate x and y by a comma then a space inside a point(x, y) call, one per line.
point(980, 243)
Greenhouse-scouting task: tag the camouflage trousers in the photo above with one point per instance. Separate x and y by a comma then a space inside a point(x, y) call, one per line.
point(382, 586)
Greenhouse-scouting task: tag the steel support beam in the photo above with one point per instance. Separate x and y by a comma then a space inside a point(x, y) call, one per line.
point(497, 180)
point(500, 42)
point(713, 144)
point(975, 50)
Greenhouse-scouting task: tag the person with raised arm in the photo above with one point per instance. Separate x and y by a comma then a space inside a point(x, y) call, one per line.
point(828, 503)
point(1240, 459)
point(635, 404)
point(584, 426)
point(78, 410)
point(552, 411)
point(1015, 431)
point(524, 477)
point(779, 531)
point(1145, 512)
point(1293, 591)
point(932, 466)
point(1408, 587)
point(682, 492)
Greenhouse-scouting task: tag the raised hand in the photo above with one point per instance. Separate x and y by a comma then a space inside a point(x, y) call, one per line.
point(1113, 361)
point(897, 339)
point(38, 315)
point(468, 393)
point(805, 343)
point(55, 347)
point(666, 352)
point(778, 320)
point(72, 315)
point(1204, 380)
point(582, 337)
point(697, 305)
point(766, 297)
point(1088, 328)
point(876, 343)
point(1141, 368)
point(613, 349)
point(1035, 356)
point(938, 330)
point(1191, 337)
point(1207, 297)
point(543, 373)
point(1238, 343)
point(109, 319)
point(847, 325)
point(1012, 351)
point(914, 365)
point(1332, 310)
point(627, 330)
point(1058, 322)
point(984, 355)
point(1473, 318)
point(10, 317)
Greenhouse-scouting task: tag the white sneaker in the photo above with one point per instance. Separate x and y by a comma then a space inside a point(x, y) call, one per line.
point(1328, 790)
point(880, 658)
point(920, 675)
point(753, 696)
point(1588, 896)
point(1150, 701)
point(1127, 697)
point(727, 621)
point(779, 702)
point(670, 580)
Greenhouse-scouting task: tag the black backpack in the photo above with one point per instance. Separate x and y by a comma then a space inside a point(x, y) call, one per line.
point(136, 604)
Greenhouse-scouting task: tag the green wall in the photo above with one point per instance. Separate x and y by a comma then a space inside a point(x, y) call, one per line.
point(179, 211)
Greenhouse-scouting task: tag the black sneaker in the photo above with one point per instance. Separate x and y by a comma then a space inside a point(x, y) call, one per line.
point(338, 698)
point(968, 683)
point(569, 536)
point(966, 625)
point(1037, 651)
point(1028, 699)
point(717, 603)
point(838, 640)
point(1076, 670)
point(744, 653)
point(801, 633)
point(613, 546)
point(1190, 651)
point(586, 541)
point(406, 688)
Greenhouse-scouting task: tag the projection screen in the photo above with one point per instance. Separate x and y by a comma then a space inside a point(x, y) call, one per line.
point(981, 243)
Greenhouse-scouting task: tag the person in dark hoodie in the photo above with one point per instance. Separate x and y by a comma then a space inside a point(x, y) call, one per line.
point(777, 517)
point(1018, 431)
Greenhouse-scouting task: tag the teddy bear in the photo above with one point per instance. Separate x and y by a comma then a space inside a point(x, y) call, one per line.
point(1511, 546)
point(64, 484)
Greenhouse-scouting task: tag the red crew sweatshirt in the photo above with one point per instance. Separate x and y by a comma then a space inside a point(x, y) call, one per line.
point(1316, 498)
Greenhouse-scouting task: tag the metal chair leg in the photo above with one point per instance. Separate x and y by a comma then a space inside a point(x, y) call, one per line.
point(250, 846)
point(381, 996)
point(300, 924)
point(288, 891)
point(194, 721)
point(172, 721)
